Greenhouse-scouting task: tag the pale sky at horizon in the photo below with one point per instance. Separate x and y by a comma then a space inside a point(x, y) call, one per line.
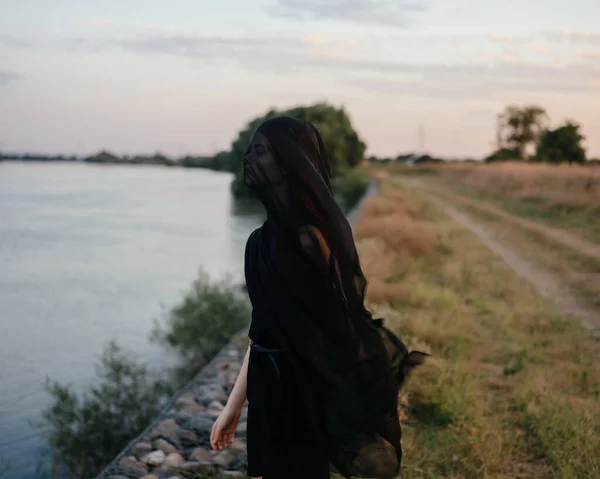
point(184, 76)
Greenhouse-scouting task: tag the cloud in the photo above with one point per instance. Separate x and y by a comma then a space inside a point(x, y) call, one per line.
point(7, 77)
point(389, 13)
point(590, 54)
point(12, 41)
point(365, 67)
point(540, 48)
point(574, 36)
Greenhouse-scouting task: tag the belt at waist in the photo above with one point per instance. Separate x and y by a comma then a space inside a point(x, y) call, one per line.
point(261, 349)
point(269, 352)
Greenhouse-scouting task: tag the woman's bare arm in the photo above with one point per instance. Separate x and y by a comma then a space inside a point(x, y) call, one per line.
point(237, 398)
point(223, 430)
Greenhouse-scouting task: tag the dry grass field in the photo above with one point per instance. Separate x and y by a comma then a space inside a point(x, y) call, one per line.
point(559, 196)
point(512, 389)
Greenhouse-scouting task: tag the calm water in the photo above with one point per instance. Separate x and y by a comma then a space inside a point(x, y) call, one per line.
point(89, 253)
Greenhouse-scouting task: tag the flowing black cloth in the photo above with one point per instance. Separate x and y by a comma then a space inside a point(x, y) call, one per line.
point(338, 401)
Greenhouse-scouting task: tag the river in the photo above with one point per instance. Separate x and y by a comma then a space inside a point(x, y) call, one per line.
point(89, 253)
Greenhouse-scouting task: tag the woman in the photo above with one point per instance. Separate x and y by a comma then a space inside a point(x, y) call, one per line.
point(321, 376)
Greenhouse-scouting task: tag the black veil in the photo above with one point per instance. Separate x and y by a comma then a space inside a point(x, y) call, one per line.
point(304, 276)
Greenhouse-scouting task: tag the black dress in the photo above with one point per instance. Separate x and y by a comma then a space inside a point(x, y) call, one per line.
point(279, 438)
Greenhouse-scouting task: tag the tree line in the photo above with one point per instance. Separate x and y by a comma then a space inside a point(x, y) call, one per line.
point(523, 134)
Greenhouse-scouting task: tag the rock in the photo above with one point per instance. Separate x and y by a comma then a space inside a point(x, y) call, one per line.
point(155, 458)
point(234, 474)
point(188, 398)
point(192, 409)
point(169, 430)
point(202, 467)
point(173, 461)
point(141, 449)
point(216, 405)
point(200, 455)
point(224, 458)
point(132, 468)
point(213, 413)
point(188, 438)
point(164, 446)
point(242, 428)
point(150, 476)
point(199, 424)
point(119, 476)
point(238, 445)
point(209, 393)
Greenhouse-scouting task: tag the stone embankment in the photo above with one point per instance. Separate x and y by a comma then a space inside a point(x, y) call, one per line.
point(176, 445)
point(178, 441)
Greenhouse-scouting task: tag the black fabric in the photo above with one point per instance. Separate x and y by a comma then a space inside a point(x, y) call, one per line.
point(339, 365)
point(278, 439)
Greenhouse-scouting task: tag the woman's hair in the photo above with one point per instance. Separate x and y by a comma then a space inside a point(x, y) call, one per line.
point(299, 151)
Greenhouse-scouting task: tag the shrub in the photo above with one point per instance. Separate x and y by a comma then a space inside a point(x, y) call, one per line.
point(86, 431)
point(209, 314)
point(350, 187)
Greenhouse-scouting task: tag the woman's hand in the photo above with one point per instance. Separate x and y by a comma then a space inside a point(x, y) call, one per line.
point(224, 428)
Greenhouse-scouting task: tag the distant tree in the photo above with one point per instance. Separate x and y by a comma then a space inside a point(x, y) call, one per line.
point(503, 154)
point(520, 128)
point(562, 145)
point(104, 157)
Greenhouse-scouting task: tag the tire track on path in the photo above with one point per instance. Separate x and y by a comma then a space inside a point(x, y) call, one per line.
point(549, 285)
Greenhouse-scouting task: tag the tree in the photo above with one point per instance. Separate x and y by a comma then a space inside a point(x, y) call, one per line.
point(561, 145)
point(520, 127)
point(344, 146)
point(502, 154)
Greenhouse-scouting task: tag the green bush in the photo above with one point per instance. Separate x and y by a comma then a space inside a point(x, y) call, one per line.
point(205, 320)
point(87, 431)
point(350, 187)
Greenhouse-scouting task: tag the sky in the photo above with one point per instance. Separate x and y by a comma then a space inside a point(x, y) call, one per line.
point(184, 76)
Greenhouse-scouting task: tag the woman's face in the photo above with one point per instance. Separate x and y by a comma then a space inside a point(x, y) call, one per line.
point(260, 165)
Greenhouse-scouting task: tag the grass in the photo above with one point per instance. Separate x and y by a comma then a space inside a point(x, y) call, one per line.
point(512, 389)
point(578, 270)
point(560, 196)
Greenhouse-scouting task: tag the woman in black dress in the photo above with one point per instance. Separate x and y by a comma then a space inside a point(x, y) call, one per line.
point(321, 375)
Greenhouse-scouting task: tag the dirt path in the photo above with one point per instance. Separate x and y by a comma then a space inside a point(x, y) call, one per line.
point(559, 235)
point(549, 285)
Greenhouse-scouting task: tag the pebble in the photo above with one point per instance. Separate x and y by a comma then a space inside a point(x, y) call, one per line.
point(173, 461)
point(201, 425)
point(155, 458)
point(164, 446)
point(216, 405)
point(141, 449)
point(188, 438)
point(202, 467)
point(200, 454)
point(224, 459)
point(167, 429)
point(132, 468)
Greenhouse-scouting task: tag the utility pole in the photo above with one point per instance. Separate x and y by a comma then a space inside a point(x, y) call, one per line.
point(421, 139)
